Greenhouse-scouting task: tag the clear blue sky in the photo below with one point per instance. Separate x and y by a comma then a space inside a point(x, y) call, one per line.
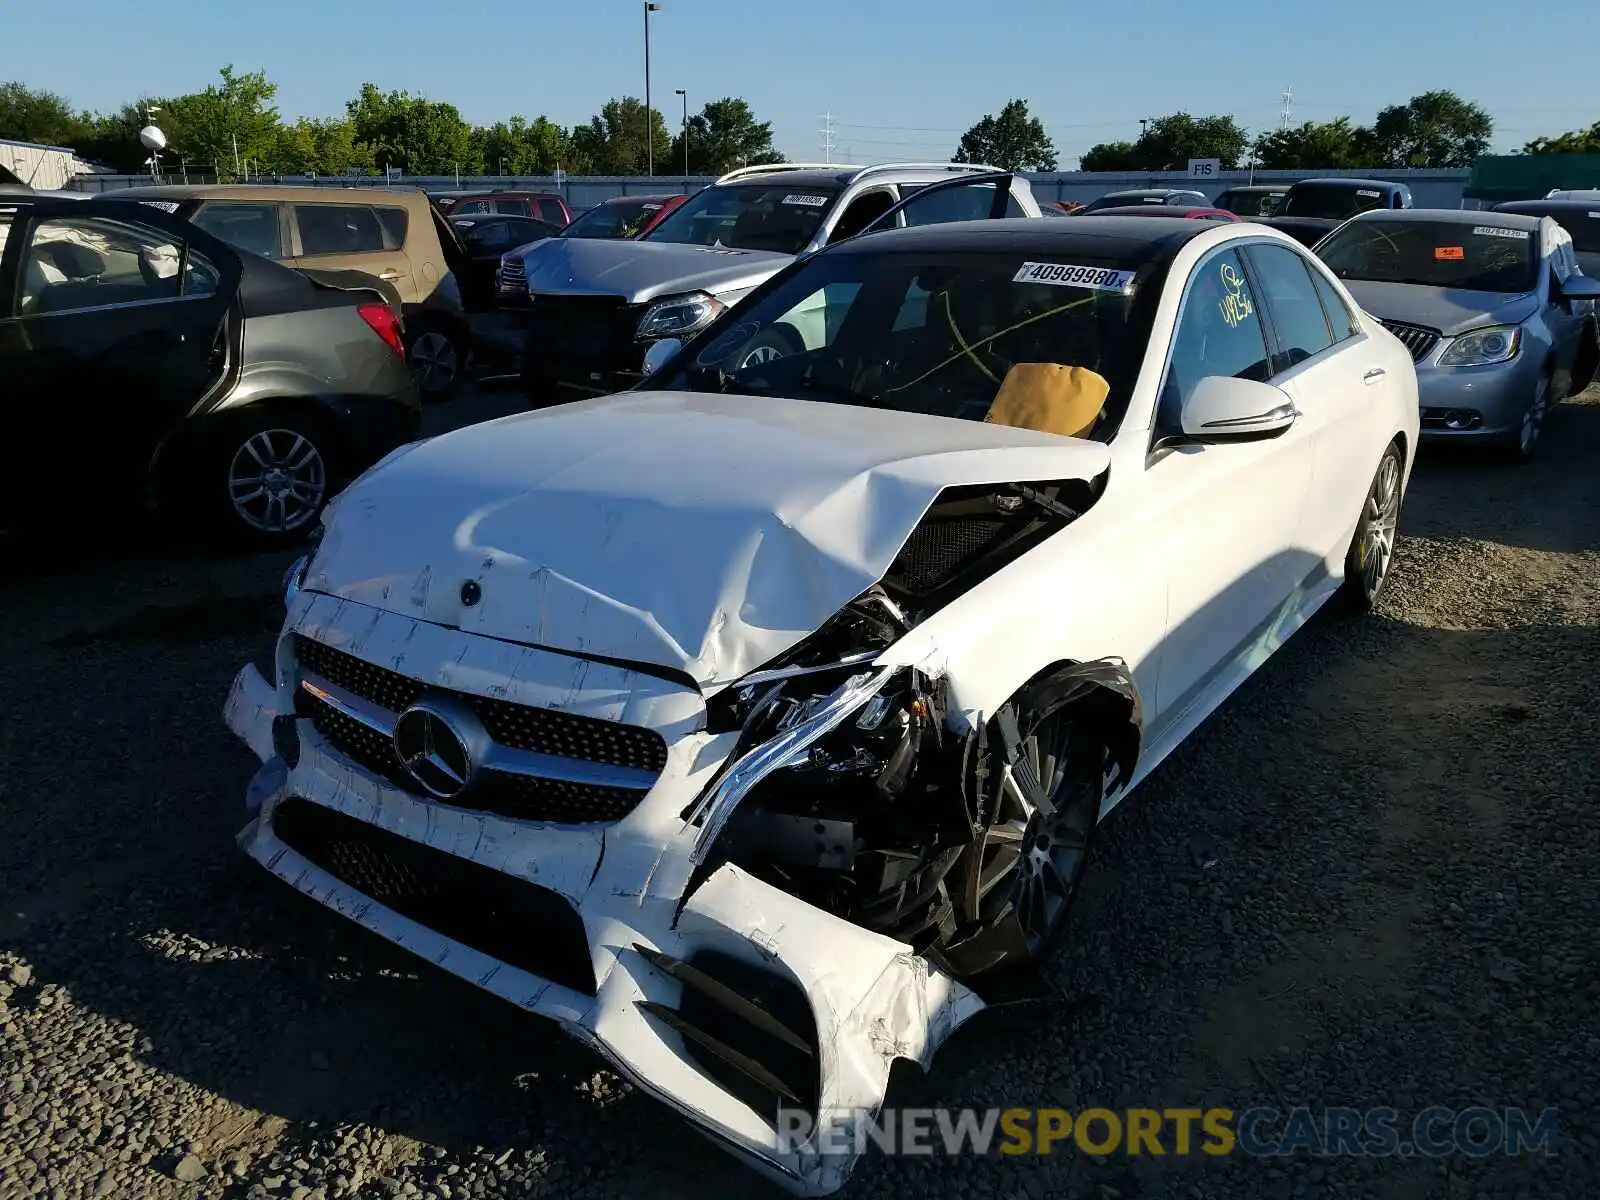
point(902, 78)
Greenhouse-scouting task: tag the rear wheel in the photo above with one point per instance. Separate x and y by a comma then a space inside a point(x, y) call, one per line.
point(773, 343)
point(265, 477)
point(437, 355)
point(1371, 553)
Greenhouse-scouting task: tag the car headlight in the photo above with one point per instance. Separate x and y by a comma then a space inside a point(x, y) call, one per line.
point(677, 316)
point(1482, 347)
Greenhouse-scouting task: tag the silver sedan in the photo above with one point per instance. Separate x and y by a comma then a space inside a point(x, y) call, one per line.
point(1493, 307)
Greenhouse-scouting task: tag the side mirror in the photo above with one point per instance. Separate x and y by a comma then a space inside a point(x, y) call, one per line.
point(660, 354)
point(1578, 287)
point(1224, 409)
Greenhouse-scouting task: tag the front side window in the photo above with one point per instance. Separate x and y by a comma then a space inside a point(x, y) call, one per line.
point(469, 208)
point(74, 263)
point(1479, 258)
point(777, 217)
point(966, 202)
point(1219, 333)
point(338, 229)
point(249, 226)
point(1292, 304)
point(937, 334)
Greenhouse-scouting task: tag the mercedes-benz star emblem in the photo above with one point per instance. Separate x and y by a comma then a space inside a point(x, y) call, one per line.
point(440, 744)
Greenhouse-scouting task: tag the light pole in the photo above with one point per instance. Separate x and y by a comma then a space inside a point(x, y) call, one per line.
point(685, 94)
point(649, 125)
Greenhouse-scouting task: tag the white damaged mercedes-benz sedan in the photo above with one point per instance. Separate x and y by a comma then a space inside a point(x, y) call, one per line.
point(753, 724)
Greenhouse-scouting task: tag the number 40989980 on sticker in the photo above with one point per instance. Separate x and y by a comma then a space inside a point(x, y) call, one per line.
point(1099, 279)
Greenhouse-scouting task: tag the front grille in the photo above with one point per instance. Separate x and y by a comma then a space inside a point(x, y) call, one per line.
point(518, 726)
point(517, 922)
point(592, 331)
point(1418, 339)
point(513, 273)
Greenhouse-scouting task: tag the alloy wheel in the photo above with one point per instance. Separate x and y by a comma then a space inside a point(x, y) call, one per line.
point(277, 481)
point(761, 354)
point(1040, 842)
point(434, 361)
point(1380, 518)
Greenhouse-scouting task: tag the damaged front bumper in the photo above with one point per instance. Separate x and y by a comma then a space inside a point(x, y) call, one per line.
point(723, 996)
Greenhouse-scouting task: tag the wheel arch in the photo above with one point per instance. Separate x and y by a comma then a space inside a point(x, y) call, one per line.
point(194, 435)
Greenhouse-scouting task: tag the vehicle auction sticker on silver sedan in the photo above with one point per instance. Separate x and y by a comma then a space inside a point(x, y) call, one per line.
point(1097, 279)
point(1496, 231)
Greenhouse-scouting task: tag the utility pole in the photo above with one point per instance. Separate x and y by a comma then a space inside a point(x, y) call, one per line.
point(827, 137)
point(649, 123)
point(684, 92)
point(235, 138)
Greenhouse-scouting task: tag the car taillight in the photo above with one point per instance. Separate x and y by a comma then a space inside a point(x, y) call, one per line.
point(385, 324)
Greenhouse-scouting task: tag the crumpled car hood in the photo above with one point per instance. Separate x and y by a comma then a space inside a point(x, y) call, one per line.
point(1451, 311)
point(702, 534)
point(641, 271)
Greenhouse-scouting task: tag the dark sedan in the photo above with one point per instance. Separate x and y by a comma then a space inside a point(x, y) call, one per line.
point(1580, 218)
point(485, 239)
point(147, 362)
point(622, 217)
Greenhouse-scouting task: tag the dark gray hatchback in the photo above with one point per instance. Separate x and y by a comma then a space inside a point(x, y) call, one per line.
point(146, 362)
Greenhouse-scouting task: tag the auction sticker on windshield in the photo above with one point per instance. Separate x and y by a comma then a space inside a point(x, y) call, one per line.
point(806, 201)
point(1450, 253)
point(1495, 231)
point(1097, 279)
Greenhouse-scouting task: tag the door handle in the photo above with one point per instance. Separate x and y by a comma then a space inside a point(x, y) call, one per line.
point(390, 276)
point(1372, 376)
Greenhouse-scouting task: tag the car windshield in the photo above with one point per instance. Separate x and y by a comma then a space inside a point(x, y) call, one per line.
point(1478, 258)
point(779, 217)
point(1330, 201)
point(934, 333)
point(623, 219)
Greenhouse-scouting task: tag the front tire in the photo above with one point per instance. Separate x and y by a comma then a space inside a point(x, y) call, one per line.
point(1525, 446)
point(1371, 553)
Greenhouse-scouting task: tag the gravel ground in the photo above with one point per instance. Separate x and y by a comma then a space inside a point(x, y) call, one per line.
point(1372, 879)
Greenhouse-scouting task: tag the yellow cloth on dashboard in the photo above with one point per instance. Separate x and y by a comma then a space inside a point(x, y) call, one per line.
point(1050, 398)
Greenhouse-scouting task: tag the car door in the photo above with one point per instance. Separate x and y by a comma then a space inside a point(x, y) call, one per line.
point(1330, 369)
point(1566, 318)
point(1229, 537)
point(116, 330)
point(986, 196)
point(348, 236)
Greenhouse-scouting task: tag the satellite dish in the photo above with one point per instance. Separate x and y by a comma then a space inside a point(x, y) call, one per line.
point(152, 138)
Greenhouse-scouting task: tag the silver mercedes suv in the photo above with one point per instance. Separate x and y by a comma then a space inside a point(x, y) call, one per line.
point(594, 307)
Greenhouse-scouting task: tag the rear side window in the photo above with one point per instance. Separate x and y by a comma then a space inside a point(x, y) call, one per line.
point(1340, 319)
point(76, 263)
point(517, 208)
point(1292, 303)
point(395, 222)
point(252, 227)
point(550, 210)
point(471, 208)
point(338, 229)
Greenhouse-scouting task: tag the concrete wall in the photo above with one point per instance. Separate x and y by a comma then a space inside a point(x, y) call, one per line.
point(1430, 189)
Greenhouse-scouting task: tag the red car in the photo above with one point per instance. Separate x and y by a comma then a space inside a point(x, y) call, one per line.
point(544, 206)
point(623, 217)
point(1196, 211)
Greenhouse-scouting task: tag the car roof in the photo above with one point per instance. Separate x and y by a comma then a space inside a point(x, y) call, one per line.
point(1545, 207)
point(1158, 191)
point(1350, 181)
point(796, 179)
point(636, 199)
point(1257, 187)
point(498, 192)
point(265, 191)
point(1451, 216)
point(1155, 212)
point(1089, 235)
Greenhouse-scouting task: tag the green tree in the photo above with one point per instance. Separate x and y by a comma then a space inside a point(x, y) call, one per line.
point(1313, 145)
point(114, 139)
point(226, 125)
point(1578, 141)
point(1168, 143)
point(613, 142)
point(414, 134)
point(1111, 156)
point(523, 147)
point(35, 115)
point(722, 135)
point(1435, 129)
point(1013, 141)
point(318, 147)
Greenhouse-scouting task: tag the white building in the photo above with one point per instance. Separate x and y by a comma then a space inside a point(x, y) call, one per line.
point(47, 168)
